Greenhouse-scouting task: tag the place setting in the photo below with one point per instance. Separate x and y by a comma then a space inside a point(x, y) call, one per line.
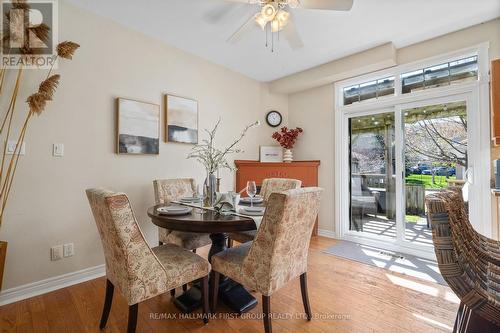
point(188, 203)
point(174, 210)
point(251, 206)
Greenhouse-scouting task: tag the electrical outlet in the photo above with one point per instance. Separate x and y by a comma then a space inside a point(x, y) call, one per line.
point(68, 250)
point(58, 149)
point(11, 147)
point(56, 252)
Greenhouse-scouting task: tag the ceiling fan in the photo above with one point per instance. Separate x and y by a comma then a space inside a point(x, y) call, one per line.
point(274, 17)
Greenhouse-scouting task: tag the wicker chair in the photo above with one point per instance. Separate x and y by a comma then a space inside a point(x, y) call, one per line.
point(269, 185)
point(468, 261)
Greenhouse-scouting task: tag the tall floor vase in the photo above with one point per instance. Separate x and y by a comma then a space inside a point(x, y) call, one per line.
point(3, 255)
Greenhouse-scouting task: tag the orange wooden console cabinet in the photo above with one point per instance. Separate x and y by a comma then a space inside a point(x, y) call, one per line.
point(306, 171)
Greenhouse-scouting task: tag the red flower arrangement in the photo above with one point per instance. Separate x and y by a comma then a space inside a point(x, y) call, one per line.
point(287, 137)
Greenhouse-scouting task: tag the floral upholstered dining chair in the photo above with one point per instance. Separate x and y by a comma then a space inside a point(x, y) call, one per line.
point(269, 185)
point(136, 270)
point(279, 252)
point(167, 190)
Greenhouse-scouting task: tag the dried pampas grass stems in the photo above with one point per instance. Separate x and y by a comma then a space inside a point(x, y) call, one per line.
point(42, 31)
point(37, 102)
point(11, 171)
point(9, 116)
point(49, 86)
point(12, 100)
point(10, 111)
point(67, 49)
point(20, 4)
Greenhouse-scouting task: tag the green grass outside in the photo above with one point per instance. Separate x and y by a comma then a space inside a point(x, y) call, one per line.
point(426, 180)
point(412, 218)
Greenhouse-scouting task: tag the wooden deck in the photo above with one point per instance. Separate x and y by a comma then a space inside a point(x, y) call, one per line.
point(415, 232)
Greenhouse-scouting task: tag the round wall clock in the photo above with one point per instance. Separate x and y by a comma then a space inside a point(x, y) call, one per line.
point(274, 118)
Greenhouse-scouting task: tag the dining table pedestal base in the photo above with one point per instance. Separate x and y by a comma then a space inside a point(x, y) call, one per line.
point(231, 293)
point(190, 300)
point(236, 297)
point(217, 225)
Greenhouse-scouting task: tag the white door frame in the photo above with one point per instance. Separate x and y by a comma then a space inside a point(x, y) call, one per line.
point(476, 95)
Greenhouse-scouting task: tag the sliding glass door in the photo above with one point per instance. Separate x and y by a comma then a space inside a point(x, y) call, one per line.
point(373, 174)
point(397, 157)
point(435, 158)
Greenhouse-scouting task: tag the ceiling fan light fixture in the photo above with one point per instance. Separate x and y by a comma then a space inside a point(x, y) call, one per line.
point(280, 21)
point(260, 20)
point(282, 16)
point(276, 26)
point(268, 12)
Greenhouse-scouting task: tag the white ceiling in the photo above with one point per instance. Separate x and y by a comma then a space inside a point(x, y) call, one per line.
point(190, 25)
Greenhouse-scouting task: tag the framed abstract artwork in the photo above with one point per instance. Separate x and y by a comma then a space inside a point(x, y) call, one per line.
point(138, 127)
point(181, 119)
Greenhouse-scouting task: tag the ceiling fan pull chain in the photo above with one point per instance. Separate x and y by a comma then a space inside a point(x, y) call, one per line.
point(266, 34)
point(272, 41)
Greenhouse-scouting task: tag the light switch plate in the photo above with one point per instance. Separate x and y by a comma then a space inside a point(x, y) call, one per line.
point(56, 252)
point(11, 147)
point(58, 149)
point(68, 250)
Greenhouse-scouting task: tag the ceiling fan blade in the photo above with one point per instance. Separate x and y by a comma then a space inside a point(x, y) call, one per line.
point(242, 30)
point(244, 1)
point(327, 4)
point(218, 13)
point(292, 36)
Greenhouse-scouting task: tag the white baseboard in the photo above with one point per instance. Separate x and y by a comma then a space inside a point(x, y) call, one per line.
point(326, 233)
point(44, 286)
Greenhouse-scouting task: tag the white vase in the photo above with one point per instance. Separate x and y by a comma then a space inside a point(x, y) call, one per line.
point(288, 156)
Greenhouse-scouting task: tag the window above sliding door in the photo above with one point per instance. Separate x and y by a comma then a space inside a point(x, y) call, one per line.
point(444, 72)
point(404, 133)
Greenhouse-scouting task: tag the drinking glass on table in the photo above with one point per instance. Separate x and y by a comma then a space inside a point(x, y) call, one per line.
point(200, 197)
point(196, 193)
point(251, 191)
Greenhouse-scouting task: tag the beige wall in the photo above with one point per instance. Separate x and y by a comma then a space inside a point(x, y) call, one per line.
point(48, 205)
point(308, 110)
point(313, 109)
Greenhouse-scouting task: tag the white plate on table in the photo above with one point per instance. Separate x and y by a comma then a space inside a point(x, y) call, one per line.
point(190, 199)
point(257, 199)
point(254, 211)
point(174, 210)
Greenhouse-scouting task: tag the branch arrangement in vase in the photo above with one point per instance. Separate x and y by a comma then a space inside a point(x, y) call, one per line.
point(213, 158)
point(36, 101)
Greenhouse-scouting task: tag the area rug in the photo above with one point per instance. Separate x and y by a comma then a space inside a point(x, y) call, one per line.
point(395, 262)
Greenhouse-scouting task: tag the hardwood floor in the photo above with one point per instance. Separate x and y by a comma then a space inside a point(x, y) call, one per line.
point(363, 298)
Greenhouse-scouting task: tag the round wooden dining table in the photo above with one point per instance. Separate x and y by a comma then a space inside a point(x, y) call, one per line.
point(217, 226)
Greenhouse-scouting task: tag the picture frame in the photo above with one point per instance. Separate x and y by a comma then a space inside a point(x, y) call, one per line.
point(181, 119)
point(271, 154)
point(138, 127)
